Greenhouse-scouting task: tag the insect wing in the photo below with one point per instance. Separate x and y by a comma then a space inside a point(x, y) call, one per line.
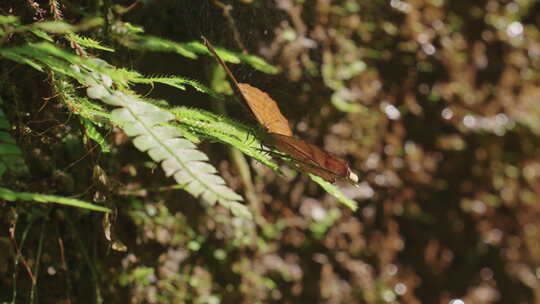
point(311, 158)
point(265, 110)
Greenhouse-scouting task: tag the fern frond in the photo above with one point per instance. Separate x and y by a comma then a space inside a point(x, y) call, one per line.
point(178, 157)
point(178, 82)
point(11, 196)
point(126, 28)
point(234, 57)
point(189, 170)
point(84, 107)
point(11, 157)
point(258, 63)
point(91, 131)
point(47, 54)
point(226, 55)
point(134, 40)
point(61, 27)
point(222, 129)
point(60, 61)
point(8, 19)
point(89, 42)
point(20, 59)
point(41, 34)
point(90, 113)
point(335, 192)
point(151, 43)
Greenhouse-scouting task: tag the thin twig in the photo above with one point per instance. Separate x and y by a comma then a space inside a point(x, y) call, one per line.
point(84, 252)
point(19, 256)
point(130, 7)
point(65, 269)
point(83, 157)
point(33, 291)
point(227, 8)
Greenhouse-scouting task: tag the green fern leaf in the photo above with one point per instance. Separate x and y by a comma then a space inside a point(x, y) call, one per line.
point(179, 157)
point(335, 192)
point(222, 129)
point(178, 82)
point(41, 34)
point(20, 59)
point(11, 157)
point(152, 126)
point(89, 42)
point(84, 107)
point(8, 19)
point(152, 43)
point(11, 196)
point(234, 57)
point(91, 131)
point(141, 120)
point(61, 27)
point(226, 55)
point(190, 50)
point(55, 27)
point(258, 63)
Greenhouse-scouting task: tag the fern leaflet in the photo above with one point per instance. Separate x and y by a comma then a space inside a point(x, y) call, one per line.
point(178, 157)
point(9, 195)
point(11, 157)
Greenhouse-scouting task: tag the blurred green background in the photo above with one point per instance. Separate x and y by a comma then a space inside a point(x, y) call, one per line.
point(435, 103)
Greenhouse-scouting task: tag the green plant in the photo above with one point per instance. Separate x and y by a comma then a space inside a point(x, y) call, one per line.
point(166, 134)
